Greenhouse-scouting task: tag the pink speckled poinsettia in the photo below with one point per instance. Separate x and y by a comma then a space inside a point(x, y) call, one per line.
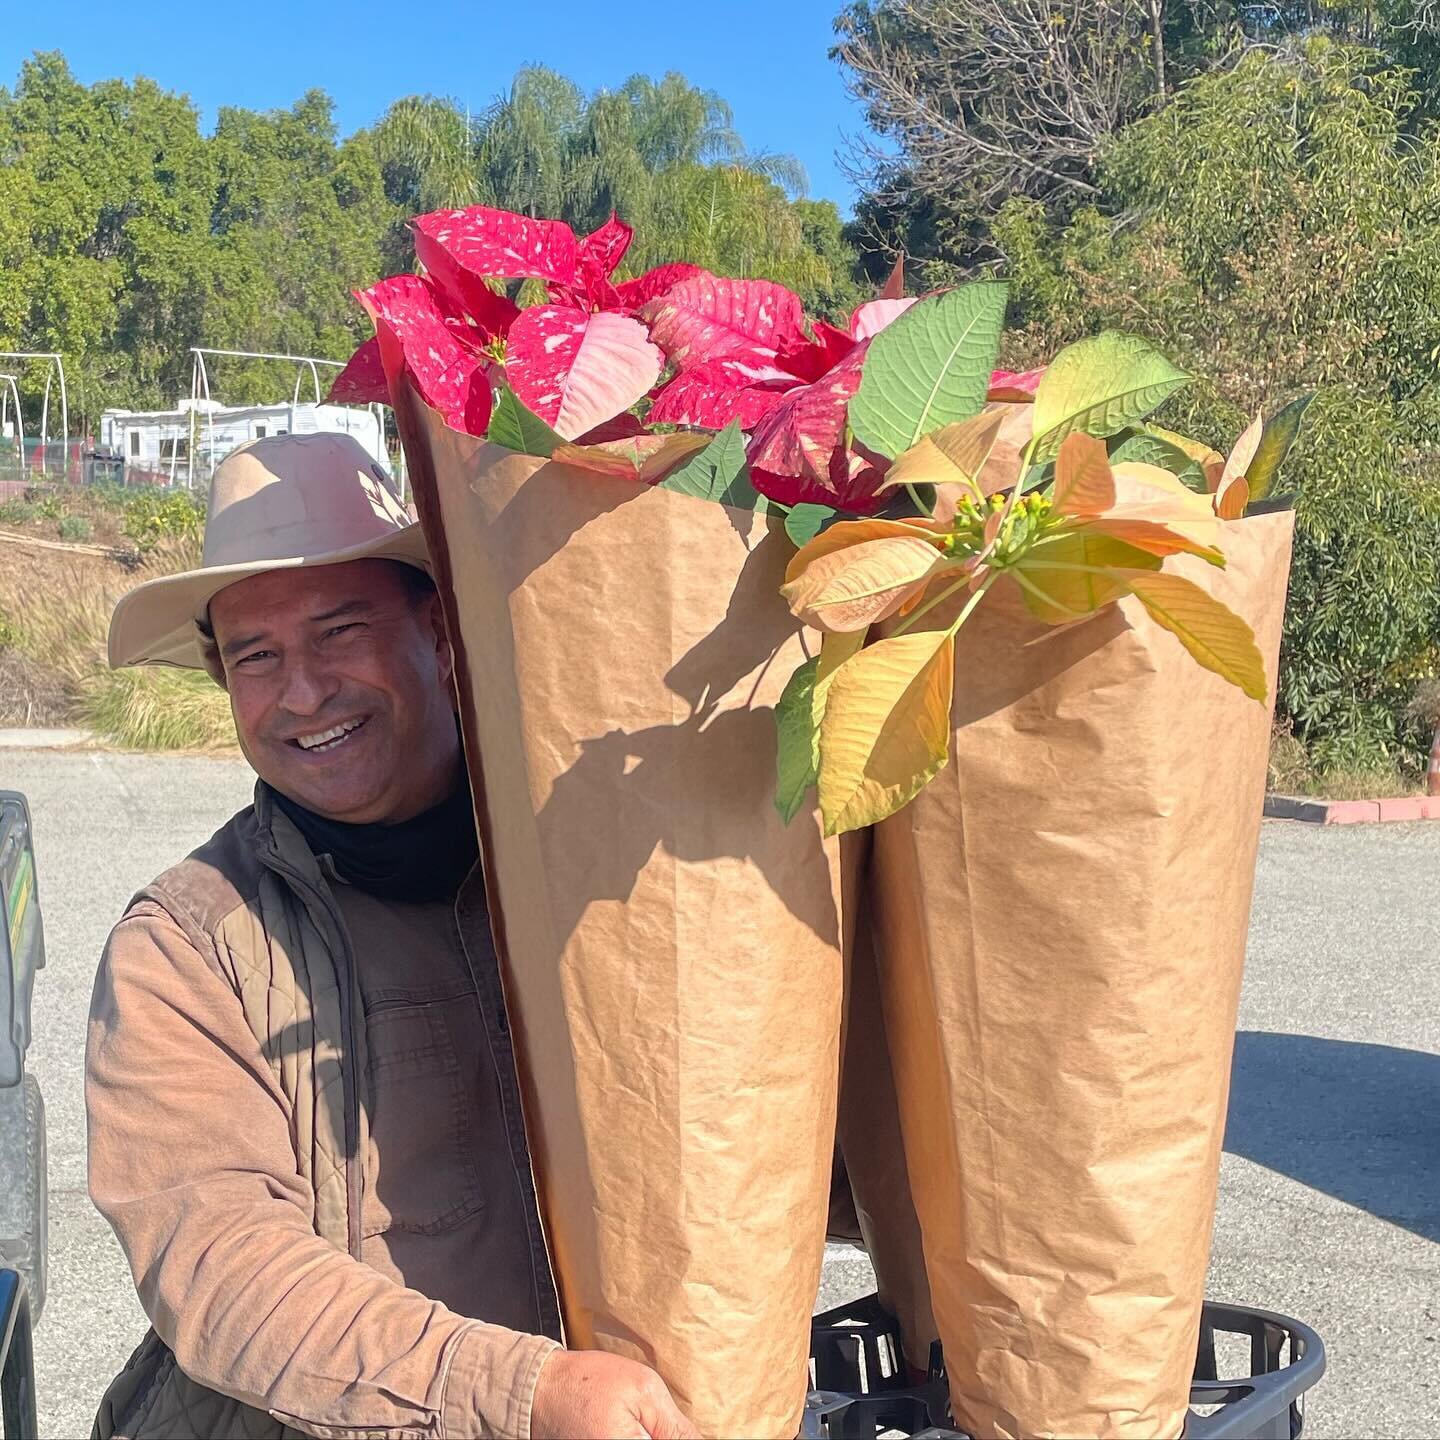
point(707, 351)
point(576, 362)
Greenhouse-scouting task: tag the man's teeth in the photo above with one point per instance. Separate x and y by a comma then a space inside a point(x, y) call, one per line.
point(327, 738)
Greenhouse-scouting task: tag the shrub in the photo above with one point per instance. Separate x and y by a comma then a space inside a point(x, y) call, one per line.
point(74, 527)
point(153, 515)
point(110, 496)
point(1276, 228)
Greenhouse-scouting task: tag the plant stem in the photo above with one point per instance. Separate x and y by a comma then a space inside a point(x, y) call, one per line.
point(915, 499)
point(945, 594)
point(973, 601)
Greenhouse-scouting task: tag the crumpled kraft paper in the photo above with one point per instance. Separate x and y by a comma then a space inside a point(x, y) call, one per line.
point(671, 951)
point(868, 1130)
point(1061, 919)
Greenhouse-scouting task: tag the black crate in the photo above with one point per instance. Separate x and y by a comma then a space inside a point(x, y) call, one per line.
point(862, 1388)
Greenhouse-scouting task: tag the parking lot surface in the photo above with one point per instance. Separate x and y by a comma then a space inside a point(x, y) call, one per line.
point(1330, 1192)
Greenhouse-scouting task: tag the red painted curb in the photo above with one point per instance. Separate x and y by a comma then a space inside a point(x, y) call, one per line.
point(1410, 809)
point(1352, 812)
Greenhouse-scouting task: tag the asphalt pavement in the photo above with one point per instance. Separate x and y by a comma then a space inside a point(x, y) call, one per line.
point(1330, 1191)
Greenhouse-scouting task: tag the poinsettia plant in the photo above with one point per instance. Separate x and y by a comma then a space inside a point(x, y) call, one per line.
point(1084, 514)
point(577, 361)
point(691, 349)
point(961, 478)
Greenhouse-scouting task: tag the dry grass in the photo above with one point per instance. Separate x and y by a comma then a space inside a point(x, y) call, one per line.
point(1293, 773)
point(154, 708)
point(57, 607)
point(30, 695)
point(1425, 704)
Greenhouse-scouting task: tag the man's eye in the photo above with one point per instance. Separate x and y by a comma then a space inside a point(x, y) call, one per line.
point(253, 656)
point(341, 629)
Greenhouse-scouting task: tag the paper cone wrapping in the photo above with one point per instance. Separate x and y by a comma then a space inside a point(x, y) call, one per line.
point(868, 1130)
point(1061, 922)
point(670, 949)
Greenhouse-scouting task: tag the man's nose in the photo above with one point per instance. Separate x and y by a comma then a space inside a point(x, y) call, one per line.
point(307, 687)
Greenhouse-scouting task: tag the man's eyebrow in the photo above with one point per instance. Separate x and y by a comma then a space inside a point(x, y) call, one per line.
point(350, 607)
point(232, 648)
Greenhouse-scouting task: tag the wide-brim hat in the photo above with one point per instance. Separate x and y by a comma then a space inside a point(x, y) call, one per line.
point(280, 503)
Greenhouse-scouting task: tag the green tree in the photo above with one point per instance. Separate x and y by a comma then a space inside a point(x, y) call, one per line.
point(127, 236)
point(300, 220)
point(661, 153)
point(1276, 228)
point(970, 103)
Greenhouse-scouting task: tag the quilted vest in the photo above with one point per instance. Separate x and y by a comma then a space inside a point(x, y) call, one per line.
point(286, 955)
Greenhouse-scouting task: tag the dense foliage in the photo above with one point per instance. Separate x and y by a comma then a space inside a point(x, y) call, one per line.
point(1272, 221)
point(1277, 227)
point(127, 235)
point(971, 102)
point(662, 154)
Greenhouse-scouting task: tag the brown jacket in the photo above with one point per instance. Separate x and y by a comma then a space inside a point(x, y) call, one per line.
point(245, 1042)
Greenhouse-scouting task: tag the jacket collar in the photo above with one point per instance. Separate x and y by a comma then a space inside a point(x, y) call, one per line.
point(280, 843)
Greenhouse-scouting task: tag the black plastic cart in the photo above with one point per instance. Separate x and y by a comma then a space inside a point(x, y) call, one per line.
point(862, 1390)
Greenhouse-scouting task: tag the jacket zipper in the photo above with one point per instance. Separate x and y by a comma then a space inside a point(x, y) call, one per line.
point(547, 1299)
point(315, 901)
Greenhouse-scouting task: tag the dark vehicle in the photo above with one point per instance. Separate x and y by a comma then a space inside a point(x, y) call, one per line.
point(24, 1195)
point(23, 1188)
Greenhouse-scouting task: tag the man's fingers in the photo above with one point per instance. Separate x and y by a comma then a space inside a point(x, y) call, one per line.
point(666, 1422)
point(681, 1429)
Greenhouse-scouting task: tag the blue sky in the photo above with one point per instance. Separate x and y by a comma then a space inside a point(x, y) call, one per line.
point(768, 58)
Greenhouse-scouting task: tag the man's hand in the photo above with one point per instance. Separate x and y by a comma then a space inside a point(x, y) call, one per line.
point(590, 1395)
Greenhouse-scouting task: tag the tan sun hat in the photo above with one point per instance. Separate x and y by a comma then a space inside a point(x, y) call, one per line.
point(279, 503)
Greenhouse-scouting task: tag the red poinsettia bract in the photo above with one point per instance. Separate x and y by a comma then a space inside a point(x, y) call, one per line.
point(577, 362)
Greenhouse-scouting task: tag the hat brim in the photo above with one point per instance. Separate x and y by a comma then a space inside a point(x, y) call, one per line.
point(154, 624)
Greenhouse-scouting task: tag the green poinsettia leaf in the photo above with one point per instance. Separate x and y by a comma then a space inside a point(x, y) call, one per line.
point(929, 367)
point(804, 521)
point(718, 473)
point(1275, 443)
point(1142, 447)
point(1099, 387)
point(515, 426)
point(797, 757)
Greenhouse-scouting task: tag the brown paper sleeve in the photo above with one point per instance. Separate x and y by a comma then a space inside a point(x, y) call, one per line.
point(1061, 919)
point(671, 951)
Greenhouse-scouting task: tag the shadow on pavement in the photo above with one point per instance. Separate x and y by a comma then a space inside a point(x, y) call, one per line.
point(1359, 1122)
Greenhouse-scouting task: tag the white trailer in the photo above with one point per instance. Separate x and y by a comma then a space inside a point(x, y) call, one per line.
point(182, 446)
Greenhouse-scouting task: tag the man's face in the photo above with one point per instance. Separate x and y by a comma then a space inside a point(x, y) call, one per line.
point(339, 681)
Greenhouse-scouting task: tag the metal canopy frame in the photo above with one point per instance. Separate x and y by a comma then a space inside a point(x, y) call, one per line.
point(200, 389)
point(200, 379)
point(55, 370)
point(9, 392)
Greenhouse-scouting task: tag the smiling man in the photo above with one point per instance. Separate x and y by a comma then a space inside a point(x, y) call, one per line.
point(303, 1114)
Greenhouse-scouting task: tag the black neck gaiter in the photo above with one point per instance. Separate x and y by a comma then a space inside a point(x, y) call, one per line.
point(419, 860)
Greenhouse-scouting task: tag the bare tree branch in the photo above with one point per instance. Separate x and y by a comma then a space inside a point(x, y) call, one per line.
point(984, 99)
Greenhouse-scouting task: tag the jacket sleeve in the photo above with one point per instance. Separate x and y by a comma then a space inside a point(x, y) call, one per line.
point(192, 1163)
